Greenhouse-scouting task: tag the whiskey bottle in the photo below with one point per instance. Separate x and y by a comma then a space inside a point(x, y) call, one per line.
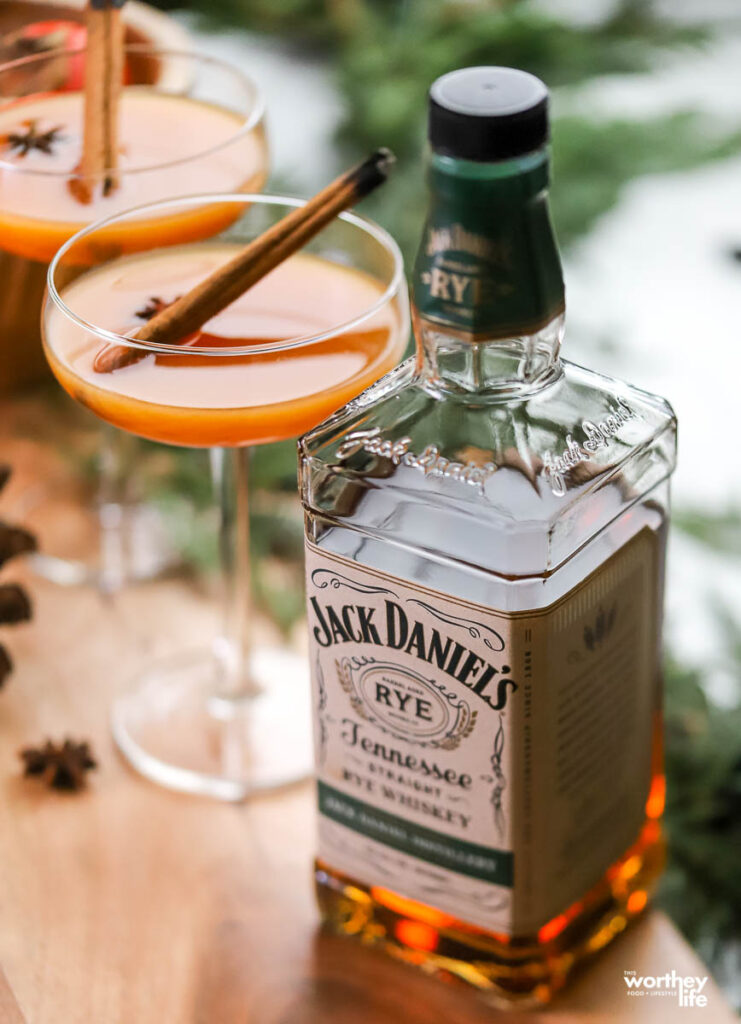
point(485, 538)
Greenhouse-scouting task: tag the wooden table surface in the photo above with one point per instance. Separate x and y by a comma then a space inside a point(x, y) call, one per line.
point(127, 904)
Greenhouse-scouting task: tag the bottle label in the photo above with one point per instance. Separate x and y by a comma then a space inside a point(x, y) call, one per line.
point(487, 274)
point(489, 764)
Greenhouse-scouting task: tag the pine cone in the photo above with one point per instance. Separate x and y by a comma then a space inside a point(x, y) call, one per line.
point(15, 604)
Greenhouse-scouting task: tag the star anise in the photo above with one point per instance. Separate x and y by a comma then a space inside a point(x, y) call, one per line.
point(19, 44)
point(60, 766)
point(22, 46)
point(32, 138)
point(154, 306)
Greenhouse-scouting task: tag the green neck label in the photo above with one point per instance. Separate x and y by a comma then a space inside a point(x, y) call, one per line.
point(488, 266)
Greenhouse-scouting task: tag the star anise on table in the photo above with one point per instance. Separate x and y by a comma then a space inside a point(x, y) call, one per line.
point(154, 306)
point(59, 765)
point(23, 142)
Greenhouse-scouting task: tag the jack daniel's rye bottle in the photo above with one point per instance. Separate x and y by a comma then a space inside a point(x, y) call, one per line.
point(485, 544)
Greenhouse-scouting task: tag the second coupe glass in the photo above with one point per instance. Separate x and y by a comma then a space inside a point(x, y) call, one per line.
point(315, 332)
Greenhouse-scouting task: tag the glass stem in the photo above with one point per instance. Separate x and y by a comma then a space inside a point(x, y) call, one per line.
point(230, 468)
point(113, 501)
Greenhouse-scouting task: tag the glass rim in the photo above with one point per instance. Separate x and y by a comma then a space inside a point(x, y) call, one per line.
point(375, 231)
point(249, 121)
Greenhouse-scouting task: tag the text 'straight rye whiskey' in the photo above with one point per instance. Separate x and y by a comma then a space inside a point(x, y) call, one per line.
point(486, 530)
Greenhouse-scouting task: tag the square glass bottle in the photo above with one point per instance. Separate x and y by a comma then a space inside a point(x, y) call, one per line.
point(485, 543)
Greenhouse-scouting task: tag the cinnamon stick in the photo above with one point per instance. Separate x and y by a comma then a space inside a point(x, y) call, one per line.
point(104, 67)
point(191, 311)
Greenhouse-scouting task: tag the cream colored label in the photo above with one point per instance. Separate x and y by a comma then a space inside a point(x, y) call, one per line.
point(490, 765)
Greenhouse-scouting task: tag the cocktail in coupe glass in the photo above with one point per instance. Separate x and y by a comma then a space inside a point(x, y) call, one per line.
point(311, 335)
point(199, 127)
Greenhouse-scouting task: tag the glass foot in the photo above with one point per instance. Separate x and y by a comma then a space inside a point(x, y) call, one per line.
point(173, 729)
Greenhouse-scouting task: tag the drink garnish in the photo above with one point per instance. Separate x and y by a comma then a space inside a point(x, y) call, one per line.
point(63, 71)
point(154, 306)
point(60, 765)
point(104, 68)
point(31, 138)
point(190, 312)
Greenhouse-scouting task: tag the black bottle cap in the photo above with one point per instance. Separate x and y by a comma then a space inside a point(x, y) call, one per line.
point(488, 114)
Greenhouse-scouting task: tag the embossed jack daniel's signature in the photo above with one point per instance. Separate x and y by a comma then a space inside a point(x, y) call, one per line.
point(555, 468)
point(595, 436)
point(429, 462)
point(484, 540)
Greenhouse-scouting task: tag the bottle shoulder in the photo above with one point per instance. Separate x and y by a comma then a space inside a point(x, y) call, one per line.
point(553, 465)
point(559, 439)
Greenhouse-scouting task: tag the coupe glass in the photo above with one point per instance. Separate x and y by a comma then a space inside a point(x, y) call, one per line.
point(214, 141)
point(302, 342)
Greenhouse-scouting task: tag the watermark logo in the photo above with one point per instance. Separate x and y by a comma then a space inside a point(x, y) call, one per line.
point(686, 988)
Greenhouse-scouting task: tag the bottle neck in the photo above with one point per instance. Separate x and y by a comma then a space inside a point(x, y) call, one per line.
point(488, 294)
point(497, 369)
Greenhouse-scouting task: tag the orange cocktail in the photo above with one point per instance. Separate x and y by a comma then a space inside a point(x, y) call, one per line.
point(188, 124)
point(176, 139)
point(305, 339)
point(228, 399)
point(192, 124)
